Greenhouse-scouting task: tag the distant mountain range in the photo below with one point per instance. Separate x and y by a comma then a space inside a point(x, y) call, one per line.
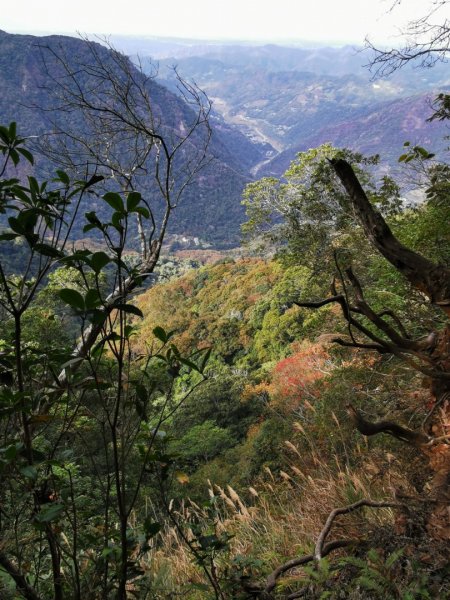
point(297, 98)
point(269, 102)
point(210, 209)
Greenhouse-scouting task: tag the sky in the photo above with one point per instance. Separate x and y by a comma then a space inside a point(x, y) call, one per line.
point(325, 21)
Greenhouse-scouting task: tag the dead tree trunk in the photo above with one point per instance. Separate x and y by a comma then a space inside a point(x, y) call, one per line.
point(429, 355)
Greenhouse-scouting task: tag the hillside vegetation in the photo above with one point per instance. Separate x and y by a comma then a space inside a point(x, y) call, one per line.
point(273, 424)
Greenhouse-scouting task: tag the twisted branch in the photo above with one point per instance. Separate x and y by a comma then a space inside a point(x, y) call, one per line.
point(415, 438)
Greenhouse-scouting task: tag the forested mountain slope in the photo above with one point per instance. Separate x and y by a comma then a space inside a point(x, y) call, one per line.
point(27, 98)
point(296, 98)
point(201, 440)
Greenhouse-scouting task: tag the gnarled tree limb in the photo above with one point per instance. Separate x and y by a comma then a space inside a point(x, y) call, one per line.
point(431, 279)
point(319, 550)
point(302, 560)
point(415, 438)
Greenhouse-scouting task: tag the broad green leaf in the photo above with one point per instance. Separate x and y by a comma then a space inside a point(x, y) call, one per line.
point(116, 221)
point(205, 360)
point(16, 225)
point(141, 392)
point(97, 317)
point(188, 363)
point(129, 308)
point(143, 211)
point(115, 201)
point(72, 298)
point(8, 236)
point(133, 200)
point(63, 177)
point(90, 226)
point(29, 472)
point(92, 299)
point(49, 512)
point(26, 154)
point(10, 452)
point(99, 260)
point(160, 333)
point(151, 528)
point(129, 331)
point(47, 250)
point(14, 156)
point(92, 217)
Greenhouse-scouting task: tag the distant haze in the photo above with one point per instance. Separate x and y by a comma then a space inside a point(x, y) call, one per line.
point(321, 21)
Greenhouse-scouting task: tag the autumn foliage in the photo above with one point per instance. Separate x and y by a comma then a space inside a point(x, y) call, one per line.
point(294, 378)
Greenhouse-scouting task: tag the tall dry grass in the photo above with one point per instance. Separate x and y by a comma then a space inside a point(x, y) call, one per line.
point(282, 513)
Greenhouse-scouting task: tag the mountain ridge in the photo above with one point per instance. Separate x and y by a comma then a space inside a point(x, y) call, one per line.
point(216, 193)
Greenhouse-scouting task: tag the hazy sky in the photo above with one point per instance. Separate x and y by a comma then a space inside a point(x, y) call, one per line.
point(316, 20)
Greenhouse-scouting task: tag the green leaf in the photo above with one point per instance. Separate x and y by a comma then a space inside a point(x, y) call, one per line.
point(49, 512)
point(8, 236)
point(112, 337)
point(90, 226)
point(26, 154)
point(47, 250)
point(205, 360)
point(189, 363)
point(129, 331)
point(92, 217)
point(34, 186)
point(99, 260)
point(16, 225)
point(141, 392)
point(175, 351)
point(14, 157)
point(133, 200)
point(421, 151)
point(143, 211)
point(116, 221)
point(63, 177)
point(29, 472)
point(160, 333)
point(10, 452)
point(92, 299)
point(97, 317)
point(92, 181)
point(151, 528)
point(72, 362)
point(72, 298)
point(115, 201)
point(129, 308)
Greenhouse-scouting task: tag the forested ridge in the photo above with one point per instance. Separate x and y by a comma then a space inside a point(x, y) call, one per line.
point(272, 424)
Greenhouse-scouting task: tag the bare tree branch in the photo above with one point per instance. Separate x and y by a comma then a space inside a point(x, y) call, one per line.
point(415, 438)
point(431, 279)
point(125, 137)
point(427, 41)
point(319, 547)
point(302, 560)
